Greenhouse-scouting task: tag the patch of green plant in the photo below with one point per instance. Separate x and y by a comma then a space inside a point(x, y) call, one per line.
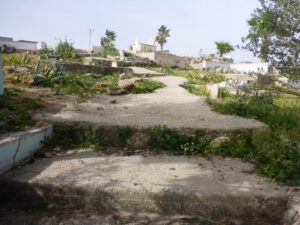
point(47, 53)
point(80, 84)
point(204, 77)
point(239, 145)
point(196, 89)
point(15, 111)
point(223, 93)
point(147, 86)
point(70, 135)
point(169, 139)
point(276, 149)
point(17, 60)
point(65, 50)
point(76, 135)
point(110, 80)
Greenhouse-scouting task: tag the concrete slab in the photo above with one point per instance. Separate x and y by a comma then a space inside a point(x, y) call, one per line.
point(199, 186)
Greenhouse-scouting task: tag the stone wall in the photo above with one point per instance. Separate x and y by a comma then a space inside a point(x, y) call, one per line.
point(169, 60)
point(164, 59)
point(79, 68)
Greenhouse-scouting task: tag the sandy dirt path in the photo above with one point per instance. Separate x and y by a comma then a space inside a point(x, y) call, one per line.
point(172, 106)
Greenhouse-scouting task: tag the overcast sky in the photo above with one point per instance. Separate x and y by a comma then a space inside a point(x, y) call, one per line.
point(194, 24)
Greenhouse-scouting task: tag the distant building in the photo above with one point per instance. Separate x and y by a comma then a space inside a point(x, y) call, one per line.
point(162, 58)
point(22, 44)
point(142, 47)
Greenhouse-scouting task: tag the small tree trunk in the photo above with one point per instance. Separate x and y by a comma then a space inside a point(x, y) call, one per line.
point(264, 52)
point(161, 47)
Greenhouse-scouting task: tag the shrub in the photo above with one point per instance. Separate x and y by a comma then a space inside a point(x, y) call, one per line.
point(196, 89)
point(65, 50)
point(47, 53)
point(223, 92)
point(15, 111)
point(147, 86)
point(275, 150)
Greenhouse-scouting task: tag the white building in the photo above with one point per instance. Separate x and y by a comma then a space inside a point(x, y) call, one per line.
point(22, 44)
point(142, 47)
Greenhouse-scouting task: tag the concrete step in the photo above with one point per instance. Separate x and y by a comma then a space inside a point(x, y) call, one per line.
point(220, 189)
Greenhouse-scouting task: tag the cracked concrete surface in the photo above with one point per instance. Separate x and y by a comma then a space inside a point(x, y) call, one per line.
point(166, 184)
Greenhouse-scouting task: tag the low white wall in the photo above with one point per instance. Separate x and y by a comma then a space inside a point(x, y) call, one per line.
point(20, 45)
point(261, 68)
point(1, 77)
point(213, 65)
point(21, 145)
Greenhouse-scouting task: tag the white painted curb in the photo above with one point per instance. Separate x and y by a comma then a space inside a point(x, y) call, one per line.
point(18, 146)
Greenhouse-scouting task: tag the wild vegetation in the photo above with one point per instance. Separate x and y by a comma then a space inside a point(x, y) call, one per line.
point(274, 35)
point(275, 149)
point(15, 111)
point(147, 86)
point(37, 70)
point(197, 79)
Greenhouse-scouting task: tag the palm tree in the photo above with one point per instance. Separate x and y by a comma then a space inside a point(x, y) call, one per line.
point(108, 39)
point(111, 35)
point(223, 47)
point(163, 34)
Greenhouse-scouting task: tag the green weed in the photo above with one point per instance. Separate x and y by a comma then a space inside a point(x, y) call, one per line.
point(147, 86)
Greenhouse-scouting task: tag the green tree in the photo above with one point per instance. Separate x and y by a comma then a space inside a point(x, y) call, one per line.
point(223, 47)
point(107, 42)
point(274, 35)
point(163, 34)
point(65, 50)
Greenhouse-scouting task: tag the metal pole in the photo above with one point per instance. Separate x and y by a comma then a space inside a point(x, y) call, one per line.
point(1, 77)
point(90, 40)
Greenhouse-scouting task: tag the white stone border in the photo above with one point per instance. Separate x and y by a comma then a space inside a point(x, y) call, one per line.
point(1, 78)
point(18, 146)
